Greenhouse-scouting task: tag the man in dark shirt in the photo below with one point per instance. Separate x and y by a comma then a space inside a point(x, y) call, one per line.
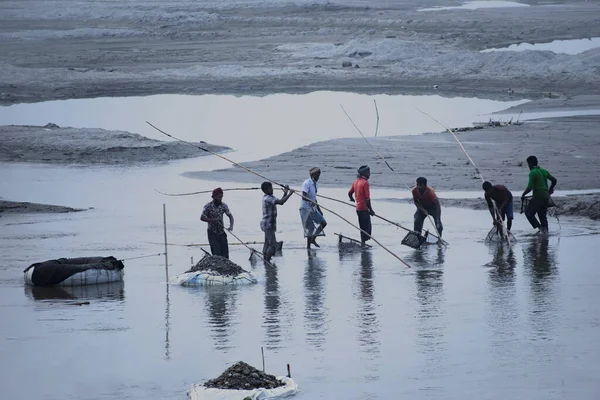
point(504, 203)
point(213, 215)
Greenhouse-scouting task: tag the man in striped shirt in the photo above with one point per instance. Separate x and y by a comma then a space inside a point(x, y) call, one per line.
point(268, 224)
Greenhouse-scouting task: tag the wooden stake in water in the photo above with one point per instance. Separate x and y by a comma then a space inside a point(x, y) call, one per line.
point(289, 371)
point(165, 231)
point(263, 357)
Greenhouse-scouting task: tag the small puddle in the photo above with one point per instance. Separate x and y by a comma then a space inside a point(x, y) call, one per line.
point(257, 127)
point(570, 47)
point(475, 5)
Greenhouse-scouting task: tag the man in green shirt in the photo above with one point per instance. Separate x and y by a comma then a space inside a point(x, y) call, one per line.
point(538, 182)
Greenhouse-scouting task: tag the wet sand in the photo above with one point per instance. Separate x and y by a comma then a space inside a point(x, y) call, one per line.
point(64, 145)
point(567, 147)
point(15, 207)
point(64, 49)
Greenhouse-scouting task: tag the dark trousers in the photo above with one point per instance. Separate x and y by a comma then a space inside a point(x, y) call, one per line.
point(270, 245)
point(420, 218)
point(539, 207)
point(364, 222)
point(218, 244)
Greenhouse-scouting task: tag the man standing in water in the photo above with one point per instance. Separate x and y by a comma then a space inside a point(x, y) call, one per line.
point(268, 224)
point(504, 203)
point(213, 215)
point(538, 182)
point(427, 203)
point(360, 188)
point(313, 221)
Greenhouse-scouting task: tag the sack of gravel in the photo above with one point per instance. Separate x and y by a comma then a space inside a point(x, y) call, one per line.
point(217, 264)
point(243, 376)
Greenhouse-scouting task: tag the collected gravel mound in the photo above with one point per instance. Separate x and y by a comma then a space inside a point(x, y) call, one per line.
point(217, 264)
point(242, 376)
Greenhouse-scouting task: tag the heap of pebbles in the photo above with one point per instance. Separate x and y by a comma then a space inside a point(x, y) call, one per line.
point(217, 264)
point(245, 377)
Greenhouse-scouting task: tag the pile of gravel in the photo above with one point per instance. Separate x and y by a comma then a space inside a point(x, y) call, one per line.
point(217, 264)
point(244, 376)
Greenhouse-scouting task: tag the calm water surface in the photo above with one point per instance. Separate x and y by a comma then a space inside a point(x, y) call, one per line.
point(468, 321)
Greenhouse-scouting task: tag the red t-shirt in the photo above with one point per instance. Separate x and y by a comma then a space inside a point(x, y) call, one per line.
point(427, 198)
point(360, 188)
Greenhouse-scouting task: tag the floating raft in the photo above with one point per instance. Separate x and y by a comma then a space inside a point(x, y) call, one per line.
point(200, 392)
point(74, 271)
point(214, 270)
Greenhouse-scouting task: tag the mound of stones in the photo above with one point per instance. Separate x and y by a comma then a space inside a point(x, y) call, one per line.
point(242, 376)
point(217, 264)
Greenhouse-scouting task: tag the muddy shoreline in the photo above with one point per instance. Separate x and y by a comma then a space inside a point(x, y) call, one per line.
point(18, 207)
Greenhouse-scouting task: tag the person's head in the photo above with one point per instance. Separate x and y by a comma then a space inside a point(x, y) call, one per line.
point(421, 184)
point(315, 173)
point(267, 188)
point(532, 161)
point(364, 171)
point(217, 195)
point(486, 186)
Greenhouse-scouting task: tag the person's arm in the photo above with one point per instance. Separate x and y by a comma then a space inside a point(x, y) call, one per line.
point(230, 216)
point(554, 181)
point(287, 193)
point(203, 216)
point(529, 186)
point(350, 193)
point(438, 208)
point(488, 199)
point(367, 195)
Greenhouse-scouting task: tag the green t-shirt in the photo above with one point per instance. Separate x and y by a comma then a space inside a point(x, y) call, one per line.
point(538, 182)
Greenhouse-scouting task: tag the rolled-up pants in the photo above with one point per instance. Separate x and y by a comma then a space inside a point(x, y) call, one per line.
point(420, 218)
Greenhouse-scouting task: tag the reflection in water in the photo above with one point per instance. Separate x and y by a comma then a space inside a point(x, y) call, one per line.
point(368, 326)
point(271, 320)
point(540, 266)
point(502, 309)
point(431, 328)
point(220, 305)
point(427, 256)
point(112, 291)
point(167, 324)
point(504, 260)
point(314, 309)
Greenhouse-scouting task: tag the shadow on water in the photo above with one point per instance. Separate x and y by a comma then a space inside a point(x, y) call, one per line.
point(314, 309)
point(368, 325)
point(113, 291)
point(540, 266)
point(271, 319)
point(220, 307)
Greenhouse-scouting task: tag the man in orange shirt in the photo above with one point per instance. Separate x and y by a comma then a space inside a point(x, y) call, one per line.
point(427, 204)
point(360, 188)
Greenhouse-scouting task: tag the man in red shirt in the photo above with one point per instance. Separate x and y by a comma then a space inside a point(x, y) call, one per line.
point(427, 203)
point(360, 188)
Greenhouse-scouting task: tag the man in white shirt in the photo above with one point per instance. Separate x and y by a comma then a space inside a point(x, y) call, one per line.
point(310, 212)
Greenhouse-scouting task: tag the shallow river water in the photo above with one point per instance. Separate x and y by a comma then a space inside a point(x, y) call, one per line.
point(468, 321)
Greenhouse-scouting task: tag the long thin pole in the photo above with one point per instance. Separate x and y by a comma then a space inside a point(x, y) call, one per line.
point(504, 230)
point(165, 232)
point(279, 184)
point(376, 215)
point(204, 191)
point(392, 169)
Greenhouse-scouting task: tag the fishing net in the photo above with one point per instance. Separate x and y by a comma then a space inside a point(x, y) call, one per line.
point(551, 207)
point(348, 244)
point(414, 240)
point(496, 235)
